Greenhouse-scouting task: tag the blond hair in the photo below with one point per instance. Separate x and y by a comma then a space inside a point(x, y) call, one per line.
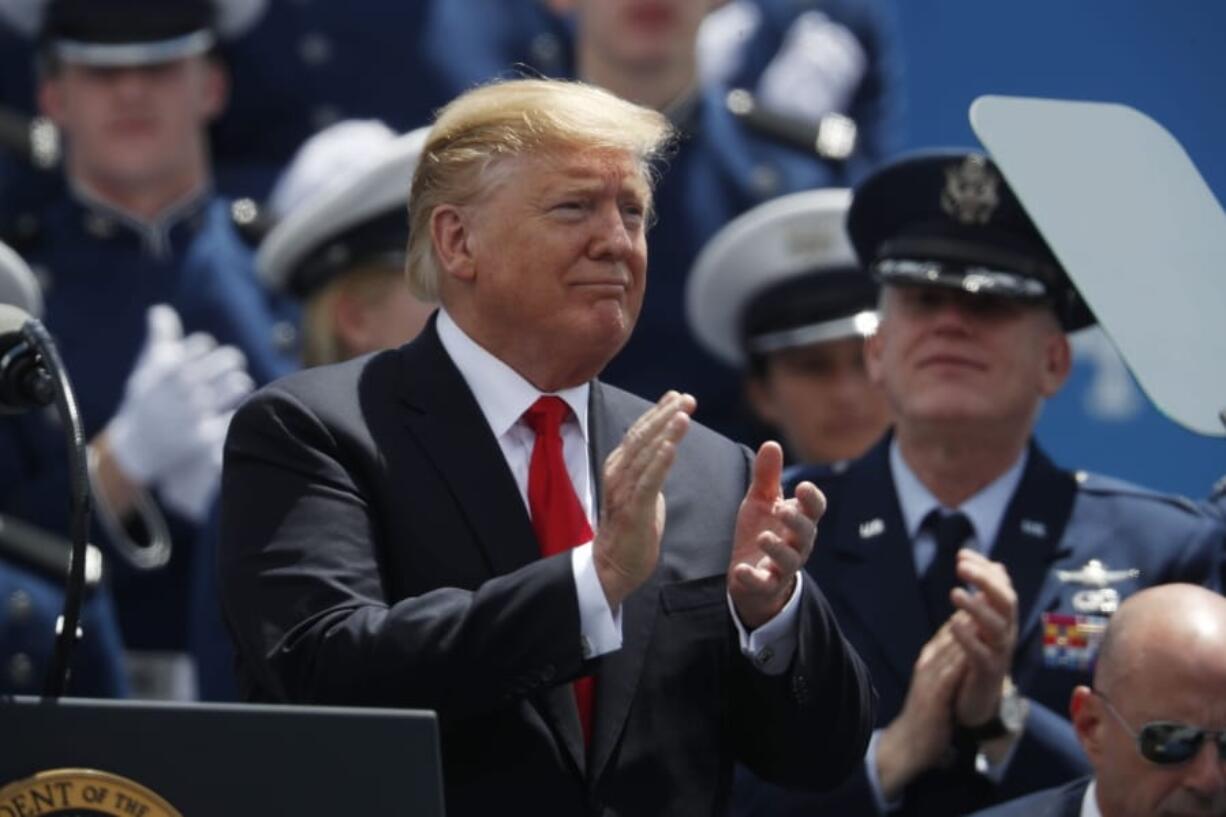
point(513, 118)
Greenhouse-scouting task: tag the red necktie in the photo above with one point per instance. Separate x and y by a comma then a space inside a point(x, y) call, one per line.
point(557, 514)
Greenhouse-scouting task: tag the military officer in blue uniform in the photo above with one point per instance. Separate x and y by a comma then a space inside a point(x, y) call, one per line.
point(152, 299)
point(778, 294)
point(974, 683)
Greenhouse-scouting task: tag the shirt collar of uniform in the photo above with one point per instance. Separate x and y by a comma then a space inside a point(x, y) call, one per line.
point(985, 510)
point(501, 392)
point(1089, 803)
point(155, 232)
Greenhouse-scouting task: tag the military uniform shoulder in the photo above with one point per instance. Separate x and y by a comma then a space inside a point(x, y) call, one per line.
point(1099, 485)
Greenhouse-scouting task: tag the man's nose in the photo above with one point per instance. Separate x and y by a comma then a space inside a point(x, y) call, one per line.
point(612, 237)
point(1206, 773)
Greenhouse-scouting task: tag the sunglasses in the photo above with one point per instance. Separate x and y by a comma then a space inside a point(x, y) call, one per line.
point(1168, 743)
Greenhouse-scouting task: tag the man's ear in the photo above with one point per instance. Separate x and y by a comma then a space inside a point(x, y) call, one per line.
point(216, 90)
point(1057, 362)
point(1086, 712)
point(451, 236)
point(873, 350)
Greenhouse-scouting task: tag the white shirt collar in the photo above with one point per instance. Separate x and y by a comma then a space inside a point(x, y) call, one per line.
point(501, 392)
point(1089, 803)
point(985, 509)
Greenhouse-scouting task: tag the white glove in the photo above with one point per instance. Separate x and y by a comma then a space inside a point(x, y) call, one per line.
point(178, 391)
point(189, 487)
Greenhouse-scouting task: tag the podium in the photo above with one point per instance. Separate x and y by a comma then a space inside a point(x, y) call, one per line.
point(218, 760)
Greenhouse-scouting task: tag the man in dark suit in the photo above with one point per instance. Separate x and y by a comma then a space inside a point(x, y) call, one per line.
point(1154, 723)
point(384, 520)
point(974, 315)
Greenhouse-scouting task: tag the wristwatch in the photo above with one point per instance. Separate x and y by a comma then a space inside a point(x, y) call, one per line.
point(1009, 718)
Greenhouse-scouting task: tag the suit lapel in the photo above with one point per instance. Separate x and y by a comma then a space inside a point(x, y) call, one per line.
point(1031, 532)
point(876, 569)
point(619, 673)
point(447, 423)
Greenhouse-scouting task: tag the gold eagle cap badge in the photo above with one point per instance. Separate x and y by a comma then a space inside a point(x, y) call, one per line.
point(71, 792)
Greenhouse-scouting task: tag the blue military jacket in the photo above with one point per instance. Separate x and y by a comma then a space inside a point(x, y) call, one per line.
point(29, 606)
point(1056, 521)
point(100, 274)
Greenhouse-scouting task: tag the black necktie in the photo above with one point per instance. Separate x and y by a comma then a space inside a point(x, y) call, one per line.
point(951, 532)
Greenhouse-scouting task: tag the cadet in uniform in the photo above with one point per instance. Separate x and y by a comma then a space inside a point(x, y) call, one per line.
point(131, 85)
point(974, 686)
point(340, 250)
point(33, 568)
point(779, 295)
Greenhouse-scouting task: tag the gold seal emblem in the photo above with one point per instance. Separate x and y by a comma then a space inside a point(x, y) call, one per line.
point(80, 792)
point(971, 191)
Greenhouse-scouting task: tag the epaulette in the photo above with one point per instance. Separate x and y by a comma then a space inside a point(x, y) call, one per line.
point(1101, 485)
point(251, 221)
point(35, 140)
point(833, 139)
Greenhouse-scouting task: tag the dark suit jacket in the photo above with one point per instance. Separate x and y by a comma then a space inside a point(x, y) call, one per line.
point(1061, 802)
point(1056, 520)
point(376, 551)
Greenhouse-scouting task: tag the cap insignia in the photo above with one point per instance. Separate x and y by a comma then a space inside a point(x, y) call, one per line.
point(971, 191)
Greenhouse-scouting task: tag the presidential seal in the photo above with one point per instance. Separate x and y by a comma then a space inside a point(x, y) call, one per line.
point(81, 793)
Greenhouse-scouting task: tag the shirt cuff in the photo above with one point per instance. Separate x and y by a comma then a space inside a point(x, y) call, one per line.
point(874, 783)
point(600, 628)
point(771, 646)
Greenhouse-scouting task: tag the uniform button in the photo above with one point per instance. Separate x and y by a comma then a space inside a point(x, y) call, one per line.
point(315, 49)
point(19, 605)
point(800, 689)
point(764, 180)
point(764, 656)
point(20, 670)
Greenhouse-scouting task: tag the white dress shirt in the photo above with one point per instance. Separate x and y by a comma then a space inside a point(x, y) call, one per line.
point(503, 396)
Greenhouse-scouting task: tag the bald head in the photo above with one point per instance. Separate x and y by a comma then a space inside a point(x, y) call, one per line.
point(1162, 627)
point(1163, 660)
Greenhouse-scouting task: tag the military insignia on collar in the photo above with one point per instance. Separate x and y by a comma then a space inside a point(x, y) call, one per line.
point(1035, 528)
point(971, 191)
point(871, 528)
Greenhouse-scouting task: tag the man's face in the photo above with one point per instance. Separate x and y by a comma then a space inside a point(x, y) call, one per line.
point(130, 127)
point(946, 356)
point(642, 34)
point(1131, 786)
point(557, 261)
point(821, 400)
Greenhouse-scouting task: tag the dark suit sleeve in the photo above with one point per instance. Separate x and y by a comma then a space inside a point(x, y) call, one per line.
point(820, 713)
point(304, 596)
point(808, 727)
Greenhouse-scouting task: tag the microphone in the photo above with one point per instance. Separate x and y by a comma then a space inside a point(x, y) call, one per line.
point(32, 375)
point(25, 382)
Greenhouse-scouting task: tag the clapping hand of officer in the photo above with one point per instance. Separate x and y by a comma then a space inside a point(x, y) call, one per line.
point(919, 737)
point(170, 426)
point(627, 544)
point(985, 627)
point(773, 539)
